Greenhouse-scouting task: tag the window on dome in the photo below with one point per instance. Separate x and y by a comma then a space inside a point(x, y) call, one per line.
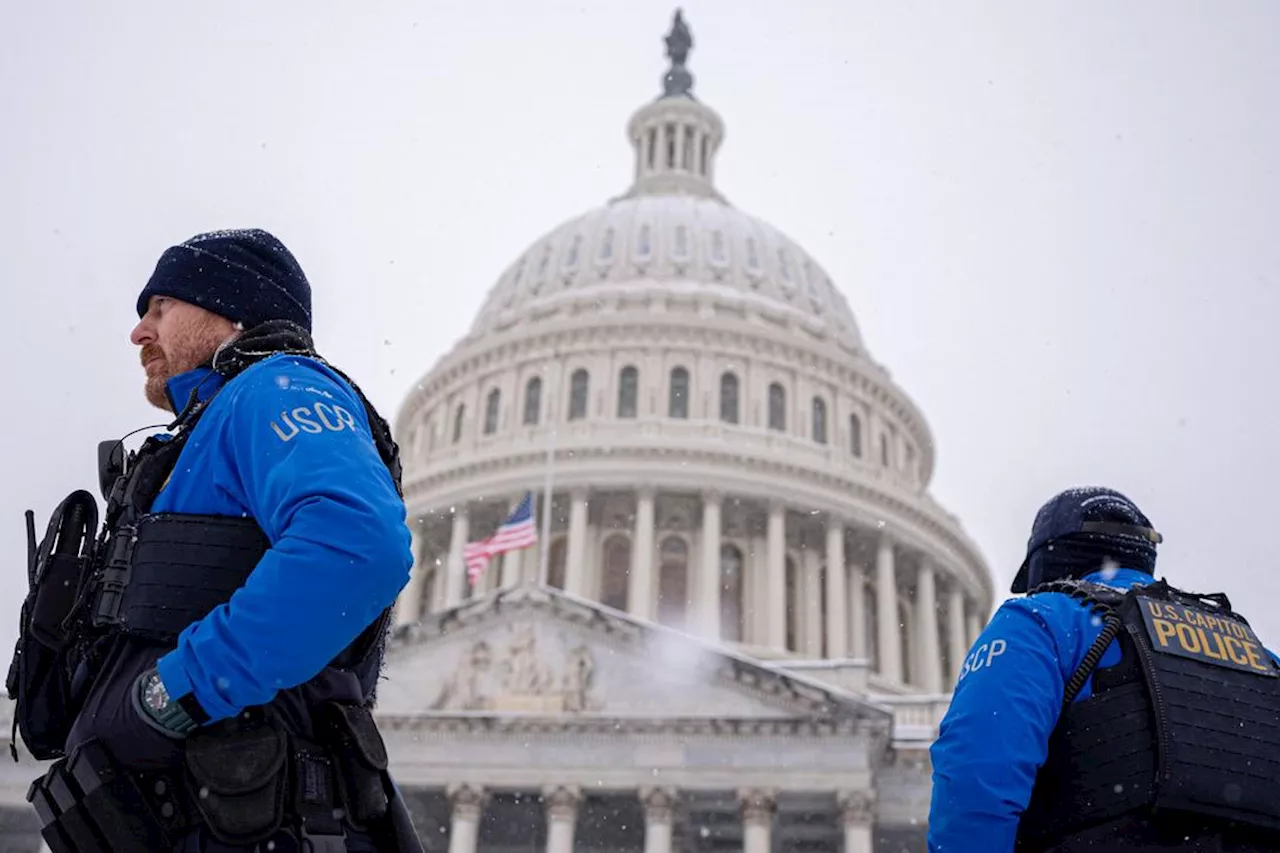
point(855, 435)
point(717, 247)
point(777, 408)
point(578, 386)
point(651, 149)
point(542, 264)
point(491, 411)
point(686, 161)
point(628, 391)
point(731, 607)
point(678, 400)
point(616, 576)
point(671, 146)
point(606, 247)
point(705, 148)
point(643, 247)
point(753, 257)
point(808, 278)
point(729, 398)
point(673, 581)
point(784, 266)
point(571, 254)
point(819, 420)
point(681, 248)
point(532, 401)
point(910, 464)
point(458, 418)
point(884, 450)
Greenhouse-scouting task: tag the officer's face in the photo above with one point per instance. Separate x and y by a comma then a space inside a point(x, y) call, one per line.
point(175, 337)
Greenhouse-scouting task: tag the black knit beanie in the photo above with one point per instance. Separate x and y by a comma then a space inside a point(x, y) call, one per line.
point(246, 275)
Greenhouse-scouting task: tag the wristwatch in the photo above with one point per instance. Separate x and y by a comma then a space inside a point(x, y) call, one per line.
point(158, 710)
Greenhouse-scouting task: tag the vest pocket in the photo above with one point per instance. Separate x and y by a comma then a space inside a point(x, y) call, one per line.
point(362, 758)
point(239, 774)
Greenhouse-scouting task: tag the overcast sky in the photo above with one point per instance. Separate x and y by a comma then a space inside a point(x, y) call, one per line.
point(1055, 222)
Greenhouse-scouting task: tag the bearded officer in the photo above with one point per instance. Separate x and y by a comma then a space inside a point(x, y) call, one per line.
point(230, 633)
point(1108, 711)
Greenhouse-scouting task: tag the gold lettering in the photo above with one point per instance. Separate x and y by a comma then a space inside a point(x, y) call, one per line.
point(1236, 657)
point(1171, 612)
point(1153, 607)
point(1217, 641)
point(1164, 630)
point(1187, 639)
point(1188, 615)
point(1254, 661)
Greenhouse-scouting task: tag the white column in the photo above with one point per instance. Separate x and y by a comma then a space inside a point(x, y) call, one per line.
point(456, 570)
point(974, 626)
point(659, 805)
point(512, 563)
point(955, 636)
point(757, 820)
point(811, 601)
point(708, 588)
point(837, 596)
point(575, 573)
point(468, 802)
point(776, 580)
point(930, 657)
point(409, 602)
point(857, 612)
point(562, 817)
point(640, 590)
point(858, 816)
point(888, 642)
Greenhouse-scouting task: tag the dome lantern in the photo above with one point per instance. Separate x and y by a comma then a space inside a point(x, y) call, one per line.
point(676, 137)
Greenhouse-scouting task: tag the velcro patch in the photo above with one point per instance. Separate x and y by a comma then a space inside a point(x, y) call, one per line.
point(1191, 632)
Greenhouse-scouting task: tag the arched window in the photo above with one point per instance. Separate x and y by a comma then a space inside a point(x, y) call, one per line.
point(628, 391)
point(855, 435)
point(458, 418)
point(884, 450)
point(819, 420)
point(731, 586)
point(616, 576)
point(643, 246)
point(579, 384)
point(606, 247)
point(729, 398)
point(793, 606)
point(670, 136)
point(491, 411)
point(556, 562)
point(777, 408)
point(673, 581)
point(678, 402)
point(532, 401)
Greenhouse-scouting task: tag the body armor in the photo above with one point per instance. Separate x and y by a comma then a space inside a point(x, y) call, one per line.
point(1177, 748)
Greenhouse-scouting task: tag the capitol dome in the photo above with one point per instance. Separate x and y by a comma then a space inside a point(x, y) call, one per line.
point(722, 454)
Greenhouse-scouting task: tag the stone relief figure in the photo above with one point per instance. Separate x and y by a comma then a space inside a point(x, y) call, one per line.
point(579, 674)
point(526, 673)
point(470, 688)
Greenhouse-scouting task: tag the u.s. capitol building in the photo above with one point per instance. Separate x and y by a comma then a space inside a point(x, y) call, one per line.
point(750, 611)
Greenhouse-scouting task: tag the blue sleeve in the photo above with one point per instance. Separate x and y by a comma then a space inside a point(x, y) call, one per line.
point(995, 734)
point(298, 452)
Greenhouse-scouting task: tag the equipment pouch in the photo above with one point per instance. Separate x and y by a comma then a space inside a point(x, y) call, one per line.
point(353, 735)
point(239, 775)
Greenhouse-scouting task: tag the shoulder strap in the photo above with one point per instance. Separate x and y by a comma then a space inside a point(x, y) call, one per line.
point(1103, 601)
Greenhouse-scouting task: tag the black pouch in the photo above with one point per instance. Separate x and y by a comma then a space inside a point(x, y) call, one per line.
point(239, 775)
point(352, 734)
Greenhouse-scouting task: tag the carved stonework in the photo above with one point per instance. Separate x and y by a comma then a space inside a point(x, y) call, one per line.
point(518, 677)
point(857, 808)
point(758, 806)
point(562, 802)
point(468, 801)
point(659, 804)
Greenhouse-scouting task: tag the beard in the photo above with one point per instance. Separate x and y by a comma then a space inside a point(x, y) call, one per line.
point(186, 349)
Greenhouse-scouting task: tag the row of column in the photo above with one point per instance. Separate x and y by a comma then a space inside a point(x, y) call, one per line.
point(757, 807)
point(843, 599)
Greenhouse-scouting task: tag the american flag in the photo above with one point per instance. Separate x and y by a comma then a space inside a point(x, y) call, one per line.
point(516, 532)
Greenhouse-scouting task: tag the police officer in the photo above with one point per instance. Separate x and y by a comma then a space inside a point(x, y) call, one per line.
point(1108, 711)
point(218, 660)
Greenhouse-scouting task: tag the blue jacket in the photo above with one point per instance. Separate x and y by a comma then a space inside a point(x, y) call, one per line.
point(287, 442)
point(1006, 703)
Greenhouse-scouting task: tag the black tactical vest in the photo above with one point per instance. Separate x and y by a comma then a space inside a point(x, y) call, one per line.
point(1178, 747)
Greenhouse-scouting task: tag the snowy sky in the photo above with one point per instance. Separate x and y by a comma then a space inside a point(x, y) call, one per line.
point(1056, 222)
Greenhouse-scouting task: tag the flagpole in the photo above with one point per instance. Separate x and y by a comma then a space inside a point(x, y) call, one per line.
point(545, 550)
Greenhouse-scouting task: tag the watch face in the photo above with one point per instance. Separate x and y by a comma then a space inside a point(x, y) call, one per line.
point(155, 695)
